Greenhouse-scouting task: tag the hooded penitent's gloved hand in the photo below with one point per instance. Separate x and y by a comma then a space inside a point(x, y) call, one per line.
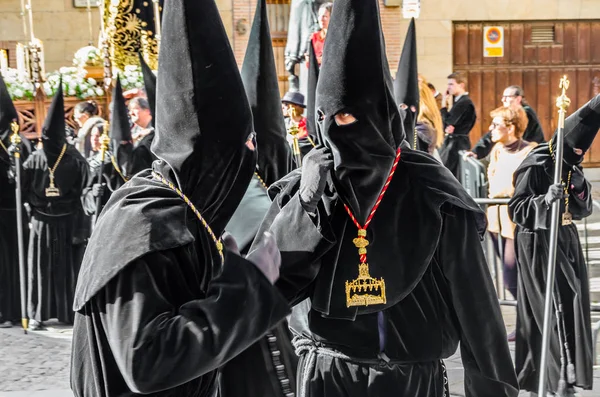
point(555, 192)
point(577, 180)
point(267, 257)
point(98, 189)
point(315, 167)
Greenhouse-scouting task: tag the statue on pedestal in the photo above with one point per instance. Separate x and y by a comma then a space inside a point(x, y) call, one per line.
point(303, 22)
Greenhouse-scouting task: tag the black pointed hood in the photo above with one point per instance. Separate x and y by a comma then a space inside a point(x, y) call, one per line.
point(363, 151)
point(53, 131)
point(311, 93)
point(259, 76)
point(120, 130)
point(406, 84)
point(8, 112)
point(580, 130)
point(149, 84)
point(203, 119)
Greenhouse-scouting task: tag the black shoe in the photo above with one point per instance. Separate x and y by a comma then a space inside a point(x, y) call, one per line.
point(512, 336)
point(5, 324)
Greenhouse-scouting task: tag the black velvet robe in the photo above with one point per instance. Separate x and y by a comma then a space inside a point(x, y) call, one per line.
point(533, 133)
point(437, 294)
point(267, 368)
point(141, 156)
point(529, 211)
point(52, 271)
point(462, 116)
point(156, 312)
point(10, 298)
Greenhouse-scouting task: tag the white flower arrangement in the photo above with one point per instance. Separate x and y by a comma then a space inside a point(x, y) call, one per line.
point(87, 56)
point(131, 77)
point(74, 83)
point(19, 88)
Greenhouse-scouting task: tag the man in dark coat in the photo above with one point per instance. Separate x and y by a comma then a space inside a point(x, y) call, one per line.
point(160, 306)
point(53, 179)
point(459, 118)
point(515, 97)
point(10, 308)
point(267, 368)
point(381, 325)
point(529, 208)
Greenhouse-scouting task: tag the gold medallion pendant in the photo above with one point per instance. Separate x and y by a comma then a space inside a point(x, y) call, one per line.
point(366, 290)
point(567, 218)
point(52, 190)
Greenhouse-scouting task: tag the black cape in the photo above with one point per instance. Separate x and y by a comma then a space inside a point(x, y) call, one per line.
point(141, 155)
point(166, 275)
point(533, 133)
point(52, 269)
point(434, 298)
point(529, 211)
point(462, 116)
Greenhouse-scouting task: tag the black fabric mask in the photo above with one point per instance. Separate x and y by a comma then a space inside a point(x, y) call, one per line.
point(363, 153)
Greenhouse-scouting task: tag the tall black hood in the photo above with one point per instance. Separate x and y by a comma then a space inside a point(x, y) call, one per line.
point(53, 131)
point(203, 119)
point(149, 84)
point(8, 113)
point(120, 130)
point(406, 84)
point(259, 76)
point(311, 93)
point(363, 151)
point(580, 130)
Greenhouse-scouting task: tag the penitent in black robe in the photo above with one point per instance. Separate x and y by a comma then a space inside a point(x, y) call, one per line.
point(52, 271)
point(529, 211)
point(438, 294)
point(462, 116)
point(162, 314)
point(141, 156)
point(10, 307)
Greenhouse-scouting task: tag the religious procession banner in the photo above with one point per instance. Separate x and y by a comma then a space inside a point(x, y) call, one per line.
point(131, 28)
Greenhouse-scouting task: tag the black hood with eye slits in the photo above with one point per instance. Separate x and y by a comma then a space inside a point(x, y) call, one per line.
point(364, 151)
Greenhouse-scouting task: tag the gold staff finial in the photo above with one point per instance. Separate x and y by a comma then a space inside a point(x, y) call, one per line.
point(563, 102)
point(15, 139)
point(104, 141)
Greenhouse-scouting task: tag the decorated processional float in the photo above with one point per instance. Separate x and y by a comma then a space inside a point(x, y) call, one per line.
point(127, 28)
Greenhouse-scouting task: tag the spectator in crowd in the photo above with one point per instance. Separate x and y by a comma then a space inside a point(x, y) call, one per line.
point(317, 39)
point(293, 110)
point(430, 128)
point(513, 96)
point(436, 95)
point(86, 116)
point(509, 151)
point(458, 115)
point(142, 134)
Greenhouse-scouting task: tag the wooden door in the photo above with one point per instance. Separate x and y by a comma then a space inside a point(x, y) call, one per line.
point(279, 15)
point(536, 55)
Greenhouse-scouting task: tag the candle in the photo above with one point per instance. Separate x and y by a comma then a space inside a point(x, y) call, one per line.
point(3, 62)
point(21, 67)
point(30, 12)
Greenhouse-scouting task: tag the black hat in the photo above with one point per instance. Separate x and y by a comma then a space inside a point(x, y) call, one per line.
point(120, 129)
point(8, 113)
point(294, 97)
point(363, 151)
point(53, 131)
point(203, 119)
point(259, 76)
point(580, 130)
point(406, 84)
point(149, 84)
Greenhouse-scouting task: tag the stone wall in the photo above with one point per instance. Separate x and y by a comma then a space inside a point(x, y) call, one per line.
point(64, 28)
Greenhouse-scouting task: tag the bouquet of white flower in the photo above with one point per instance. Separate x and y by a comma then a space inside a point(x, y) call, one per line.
point(74, 83)
point(87, 56)
point(18, 88)
point(132, 77)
